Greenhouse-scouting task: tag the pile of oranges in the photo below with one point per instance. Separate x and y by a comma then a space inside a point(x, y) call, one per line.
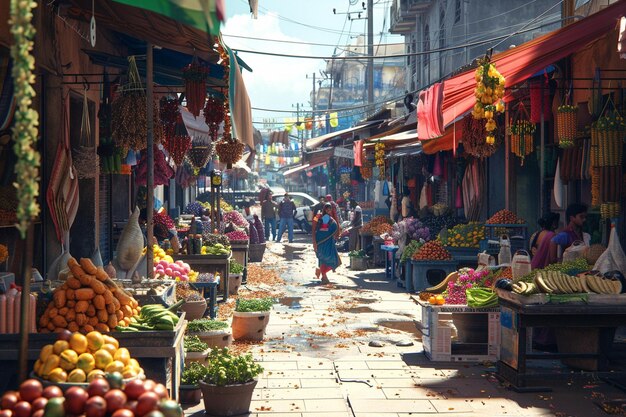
point(432, 251)
point(436, 300)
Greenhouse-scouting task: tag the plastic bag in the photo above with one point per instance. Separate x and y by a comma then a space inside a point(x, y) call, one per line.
point(613, 258)
point(485, 260)
point(520, 265)
point(576, 250)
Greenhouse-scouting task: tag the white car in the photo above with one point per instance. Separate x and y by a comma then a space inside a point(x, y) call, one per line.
point(303, 202)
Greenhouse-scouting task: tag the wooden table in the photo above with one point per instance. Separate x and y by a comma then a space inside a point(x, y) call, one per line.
point(602, 312)
point(240, 254)
point(211, 264)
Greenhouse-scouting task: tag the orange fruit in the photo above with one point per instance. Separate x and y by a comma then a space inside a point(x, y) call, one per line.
point(111, 340)
point(95, 340)
point(109, 348)
point(432, 299)
point(122, 355)
point(68, 360)
point(103, 358)
point(440, 300)
point(77, 375)
point(86, 362)
point(59, 346)
point(115, 366)
point(78, 343)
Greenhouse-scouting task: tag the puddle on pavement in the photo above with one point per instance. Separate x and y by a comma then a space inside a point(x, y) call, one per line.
point(402, 325)
point(291, 302)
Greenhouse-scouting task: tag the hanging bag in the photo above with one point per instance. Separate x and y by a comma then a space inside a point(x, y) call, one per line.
point(520, 265)
point(86, 155)
point(576, 250)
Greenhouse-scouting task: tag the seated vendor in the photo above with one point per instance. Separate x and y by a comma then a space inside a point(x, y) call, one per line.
point(575, 215)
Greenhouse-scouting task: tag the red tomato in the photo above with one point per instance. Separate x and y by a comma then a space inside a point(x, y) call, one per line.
point(9, 399)
point(95, 407)
point(161, 391)
point(122, 412)
point(30, 390)
point(115, 399)
point(52, 391)
point(75, 399)
point(131, 406)
point(98, 386)
point(146, 403)
point(38, 413)
point(134, 389)
point(6, 413)
point(39, 403)
point(22, 409)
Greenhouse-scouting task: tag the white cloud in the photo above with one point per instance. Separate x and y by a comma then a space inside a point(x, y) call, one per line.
point(276, 82)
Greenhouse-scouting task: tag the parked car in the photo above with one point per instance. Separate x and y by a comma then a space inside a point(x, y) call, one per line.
point(304, 213)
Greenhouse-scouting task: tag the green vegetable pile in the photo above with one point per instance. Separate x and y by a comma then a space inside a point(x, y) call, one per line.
point(572, 268)
point(235, 267)
point(478, 297)
point(357, 254)
point(410, 249)
point(224, 368)
point(254, 304)
point(193, 373)
point(205, 325)
point(194, 344)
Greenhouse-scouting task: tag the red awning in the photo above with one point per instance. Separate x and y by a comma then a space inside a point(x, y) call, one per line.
point(520, 63)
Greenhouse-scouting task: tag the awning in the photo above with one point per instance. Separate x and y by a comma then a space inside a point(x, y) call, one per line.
point(520, 63)
point(396, 138)
point(315, 143)
point(302, 167)
point(405, 150)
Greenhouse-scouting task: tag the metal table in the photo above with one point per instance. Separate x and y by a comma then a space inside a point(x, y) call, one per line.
point(211, 264)
point(390, 260)
point(604, 313)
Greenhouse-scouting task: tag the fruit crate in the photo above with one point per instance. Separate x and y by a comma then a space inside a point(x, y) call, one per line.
point(427, 274)
point(517, 233)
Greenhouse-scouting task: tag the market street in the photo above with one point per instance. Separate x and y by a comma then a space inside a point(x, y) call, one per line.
point(318, 361)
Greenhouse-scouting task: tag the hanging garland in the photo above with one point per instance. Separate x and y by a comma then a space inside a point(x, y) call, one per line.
point(26, 119)
point(366, 169)
point(566, 125)
point(214, 113)
point(522, 142)
point(176, 141)
point(195, 75)
point(379, 155)
point(488, 92)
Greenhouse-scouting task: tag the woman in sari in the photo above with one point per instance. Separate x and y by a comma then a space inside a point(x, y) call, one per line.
point(325, 230)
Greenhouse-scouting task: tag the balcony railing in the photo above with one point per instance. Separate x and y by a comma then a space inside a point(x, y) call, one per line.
point(402, 19)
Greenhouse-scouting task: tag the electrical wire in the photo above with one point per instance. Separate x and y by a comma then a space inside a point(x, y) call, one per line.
point(296, 42)
point(357, 58)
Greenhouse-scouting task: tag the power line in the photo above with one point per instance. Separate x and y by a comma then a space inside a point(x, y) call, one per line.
point(300, 42)
point(361, 57)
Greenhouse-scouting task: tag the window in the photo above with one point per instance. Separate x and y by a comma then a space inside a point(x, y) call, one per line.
point(442, 25)
point(426, 45)
point(457, 11)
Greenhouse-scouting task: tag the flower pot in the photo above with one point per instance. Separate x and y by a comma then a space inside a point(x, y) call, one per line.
point(196, 356)
point(194, 309)
point(234, 282)
point(358, 264)
point(256, 252)
point(216, 338)
point(189, 394)
point(229, 400)
point(250, 325)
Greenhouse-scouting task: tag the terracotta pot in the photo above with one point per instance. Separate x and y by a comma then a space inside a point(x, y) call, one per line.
point(194, 309)
point(216, 338)
point(230, 400)
point(250, 325)
point(234, 282)
point(189, 394)
point(196, 356)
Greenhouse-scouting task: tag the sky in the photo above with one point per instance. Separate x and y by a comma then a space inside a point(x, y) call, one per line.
point(281, 83)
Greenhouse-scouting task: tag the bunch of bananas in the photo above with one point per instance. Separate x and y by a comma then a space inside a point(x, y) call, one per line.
point(379, 155)
point(154, 317)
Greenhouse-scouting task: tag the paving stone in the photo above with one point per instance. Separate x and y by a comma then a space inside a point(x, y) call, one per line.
point(326, 405)
point(390, 406)
point(318, 382)
point(301, 393)
point(386, 365)
point(277, 406)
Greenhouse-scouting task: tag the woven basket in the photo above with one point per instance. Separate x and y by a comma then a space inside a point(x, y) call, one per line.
point(609, 210)
point(522, 145)
point(595, 186)
point(609, 147)
point(594, 253)
point(198, 156)
point(566, 124)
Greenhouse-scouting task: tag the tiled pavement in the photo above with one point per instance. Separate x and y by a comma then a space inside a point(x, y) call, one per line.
point(318, 363)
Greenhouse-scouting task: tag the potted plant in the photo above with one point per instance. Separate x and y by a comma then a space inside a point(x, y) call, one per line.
point(358, 260)
point(229, 382)
point(195, 349)
point(189, 389)
point(195, 305)
point(250, 318)
point(234, 277)
point(214, 333)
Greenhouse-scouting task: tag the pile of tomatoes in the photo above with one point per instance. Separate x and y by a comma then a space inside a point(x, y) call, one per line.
point(432, 251)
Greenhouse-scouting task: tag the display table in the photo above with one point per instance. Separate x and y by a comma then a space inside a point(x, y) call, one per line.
point(211, 264)
point(602, 312)
point(240, 254)
point(390, 260)
point(477, 333)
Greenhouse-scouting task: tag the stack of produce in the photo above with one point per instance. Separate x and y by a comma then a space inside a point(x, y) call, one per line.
point(179, 270)
point(235, 218)
point(194, 208)
point(76, 357)
point(414, 228)
point(212, 239)
point(88, 300)
point(237, 235)
point(432, 251)
point(215, 249)
point(369, 227)
point(505, 217)
point(159, 254)
point(465, 235)
point(410, 249)
point(106, 396)
point(154, 317)
point(436, 223)
point(468, 278)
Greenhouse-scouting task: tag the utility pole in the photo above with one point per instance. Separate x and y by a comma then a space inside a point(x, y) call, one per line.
point(370, 53)
point(313, 100)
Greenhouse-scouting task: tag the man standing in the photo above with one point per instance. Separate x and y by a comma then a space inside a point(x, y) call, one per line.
point(576, 215)
point(355, 225)
point(317, 208)
point(286, 212)
point(268, 213)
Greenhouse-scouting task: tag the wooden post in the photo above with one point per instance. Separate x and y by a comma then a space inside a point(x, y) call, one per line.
point(150, 155)
point(25, 319)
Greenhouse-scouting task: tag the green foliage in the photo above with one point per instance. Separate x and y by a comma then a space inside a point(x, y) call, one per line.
point(224, 368)
point(205, 325)
point(194, 344)
point(236, 267)
point(254, 304)
point(357, 254)
point(193, 374)
point(410, 249)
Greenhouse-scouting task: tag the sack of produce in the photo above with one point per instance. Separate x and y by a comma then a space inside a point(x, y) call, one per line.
point(520, 265)
point(576, 250)
point(130, 244)
point(613, 258)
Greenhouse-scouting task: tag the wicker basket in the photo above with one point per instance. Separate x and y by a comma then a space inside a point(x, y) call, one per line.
point(609, 210)
point(566, 124)
point(609, 147)
point(594, 253)
point(522, 145)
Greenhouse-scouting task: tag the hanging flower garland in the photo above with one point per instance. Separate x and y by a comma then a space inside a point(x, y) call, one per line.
point(26, 119)
point(522, 141)
point(195, 75)
point(379, 155)
point(488, 92)
point(566, 125)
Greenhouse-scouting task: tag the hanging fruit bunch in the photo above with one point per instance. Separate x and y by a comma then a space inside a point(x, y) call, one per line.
point(129, 115)
point(474, 138)
point(177, 141)
point(366, 169)
point(522, 143)
point(488, 92)
point(214, 113)
point(379, 154)
point(195, 75)
point(566, 125)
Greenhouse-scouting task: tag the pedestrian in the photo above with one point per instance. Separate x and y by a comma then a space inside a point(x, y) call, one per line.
point(355, 225)
point(317, 208)
point(325, 232)
point(540, 240)
point(335, 209)
point(575, 215)
point(268, 213)
point(286, 212)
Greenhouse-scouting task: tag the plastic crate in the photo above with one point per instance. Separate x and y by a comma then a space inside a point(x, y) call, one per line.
point(426, 274)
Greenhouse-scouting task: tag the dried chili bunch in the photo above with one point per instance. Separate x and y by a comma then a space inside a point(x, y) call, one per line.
point(195, 75)
point(214, 113)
